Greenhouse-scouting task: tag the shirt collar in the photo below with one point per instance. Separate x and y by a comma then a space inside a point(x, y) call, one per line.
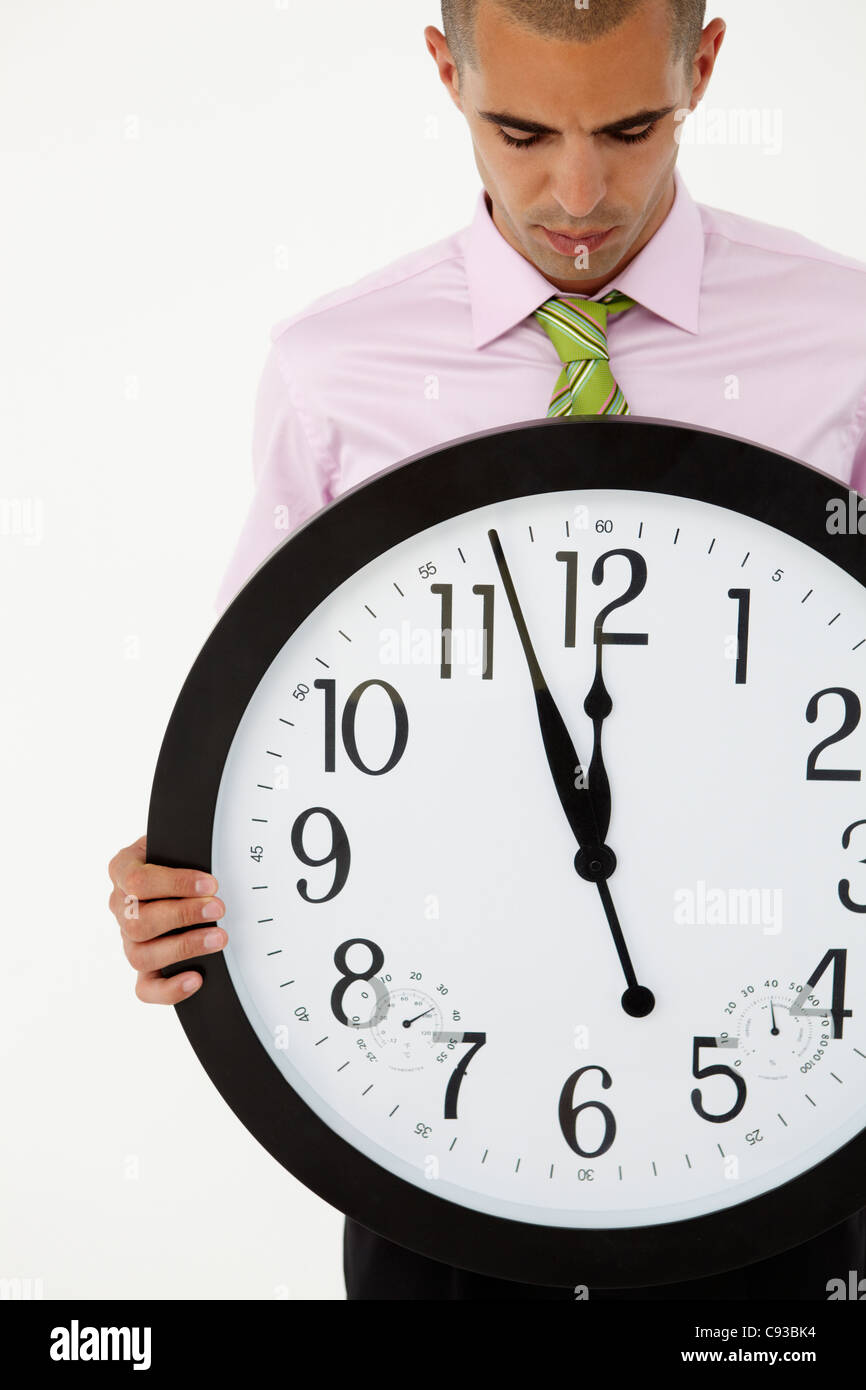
point(665, 277)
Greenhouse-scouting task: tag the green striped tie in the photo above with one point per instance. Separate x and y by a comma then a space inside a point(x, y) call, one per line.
point(578, 327)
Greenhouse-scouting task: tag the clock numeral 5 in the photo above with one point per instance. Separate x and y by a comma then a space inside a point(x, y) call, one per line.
point(717, 1070)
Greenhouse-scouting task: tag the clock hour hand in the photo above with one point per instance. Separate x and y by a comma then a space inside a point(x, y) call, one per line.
point(594, 860)
point(598, 706)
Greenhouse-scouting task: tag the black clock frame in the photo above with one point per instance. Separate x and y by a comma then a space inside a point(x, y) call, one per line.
point(631, 453)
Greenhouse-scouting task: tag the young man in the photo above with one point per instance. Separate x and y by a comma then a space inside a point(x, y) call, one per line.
point(706, 318)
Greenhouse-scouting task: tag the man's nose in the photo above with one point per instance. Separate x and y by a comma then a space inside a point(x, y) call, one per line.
point(578, 180)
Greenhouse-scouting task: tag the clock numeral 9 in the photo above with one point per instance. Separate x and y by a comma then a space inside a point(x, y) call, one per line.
point(347, 728)
point(339, 854)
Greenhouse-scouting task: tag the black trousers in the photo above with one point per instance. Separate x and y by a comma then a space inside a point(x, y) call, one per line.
point(376, 1268)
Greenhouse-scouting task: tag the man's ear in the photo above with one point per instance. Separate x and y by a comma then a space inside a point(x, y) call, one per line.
point(705, 59)
point(437, 47)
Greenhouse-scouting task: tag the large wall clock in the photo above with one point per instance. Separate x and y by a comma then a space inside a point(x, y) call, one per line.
point(532, 774)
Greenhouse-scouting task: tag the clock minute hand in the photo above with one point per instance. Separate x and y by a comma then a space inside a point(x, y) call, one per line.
point(564, 764)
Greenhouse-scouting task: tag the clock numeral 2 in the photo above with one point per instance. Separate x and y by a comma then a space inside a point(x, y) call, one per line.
point(849, 724)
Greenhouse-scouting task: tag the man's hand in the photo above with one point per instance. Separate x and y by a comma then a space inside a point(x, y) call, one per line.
point(151, 899)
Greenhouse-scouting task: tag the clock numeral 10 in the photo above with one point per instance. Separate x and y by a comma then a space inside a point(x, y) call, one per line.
point(347, 726)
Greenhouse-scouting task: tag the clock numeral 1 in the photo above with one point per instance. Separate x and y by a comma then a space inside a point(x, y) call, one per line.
point(568, 1113)
point(401, 726)
point(743, 598)
point(446, 621)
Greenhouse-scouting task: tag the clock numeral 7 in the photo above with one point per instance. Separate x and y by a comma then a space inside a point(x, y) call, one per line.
point(380, 1009)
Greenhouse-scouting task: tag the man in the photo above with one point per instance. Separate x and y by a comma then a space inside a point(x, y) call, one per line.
point(583, 232)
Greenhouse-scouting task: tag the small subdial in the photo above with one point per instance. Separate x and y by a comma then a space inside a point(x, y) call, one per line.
point(774, 1041)
point(408, 1029)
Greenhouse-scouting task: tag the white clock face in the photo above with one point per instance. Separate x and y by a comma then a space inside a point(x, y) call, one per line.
point(393, 790)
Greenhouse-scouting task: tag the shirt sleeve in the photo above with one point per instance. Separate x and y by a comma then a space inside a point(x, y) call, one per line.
point(291, 471)
point(858, 468)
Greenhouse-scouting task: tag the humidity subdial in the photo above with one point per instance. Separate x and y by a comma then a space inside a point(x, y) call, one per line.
point(408, 1029)
point(773, 1040)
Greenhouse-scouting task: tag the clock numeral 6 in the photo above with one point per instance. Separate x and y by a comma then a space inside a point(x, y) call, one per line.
point(568, 1113)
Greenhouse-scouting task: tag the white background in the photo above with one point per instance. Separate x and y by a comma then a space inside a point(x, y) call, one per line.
point(176, 178)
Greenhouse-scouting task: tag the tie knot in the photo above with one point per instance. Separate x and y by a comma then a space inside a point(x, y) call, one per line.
point(578, 327)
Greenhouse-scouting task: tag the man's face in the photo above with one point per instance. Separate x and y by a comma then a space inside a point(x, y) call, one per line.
point(593, 168)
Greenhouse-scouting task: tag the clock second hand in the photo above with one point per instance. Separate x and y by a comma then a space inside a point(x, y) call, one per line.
point(595, 861)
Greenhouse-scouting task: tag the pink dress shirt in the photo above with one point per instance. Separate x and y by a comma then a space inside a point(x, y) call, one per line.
point(739, 326)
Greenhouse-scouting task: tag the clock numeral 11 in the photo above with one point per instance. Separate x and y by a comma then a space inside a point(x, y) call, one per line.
point(446, 593)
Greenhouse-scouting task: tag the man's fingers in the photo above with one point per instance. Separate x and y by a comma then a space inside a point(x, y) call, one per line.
point(134, 877)
point(153, 988)
point(142, 921)
point(150, 956)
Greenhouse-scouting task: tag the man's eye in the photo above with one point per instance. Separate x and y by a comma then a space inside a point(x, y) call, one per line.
point(633, 139)
point(518, 144)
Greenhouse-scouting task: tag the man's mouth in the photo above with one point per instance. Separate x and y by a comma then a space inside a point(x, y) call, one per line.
point(568, 243)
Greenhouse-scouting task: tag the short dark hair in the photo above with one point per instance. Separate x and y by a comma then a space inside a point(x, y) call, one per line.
point(562, 19)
